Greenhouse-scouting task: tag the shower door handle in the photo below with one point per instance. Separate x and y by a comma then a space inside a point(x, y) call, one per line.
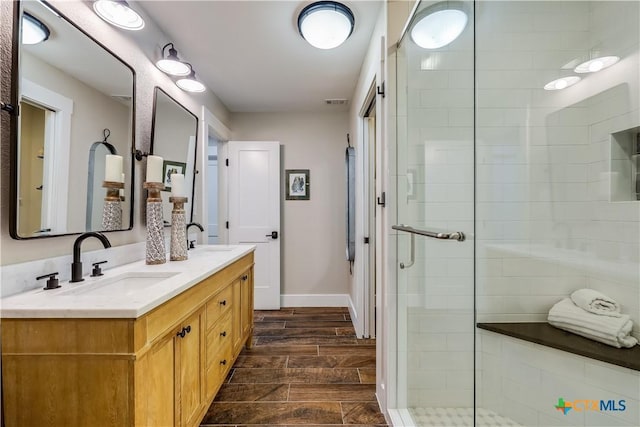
point(455, 235)
point(413, 253)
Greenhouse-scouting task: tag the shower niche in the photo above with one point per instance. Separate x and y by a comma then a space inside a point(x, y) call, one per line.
point(624, 182)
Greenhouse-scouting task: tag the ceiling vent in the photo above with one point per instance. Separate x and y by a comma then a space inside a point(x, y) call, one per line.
point(336, 101)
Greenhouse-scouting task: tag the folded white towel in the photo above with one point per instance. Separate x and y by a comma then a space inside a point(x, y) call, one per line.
point(613, 331)
point(595, 302)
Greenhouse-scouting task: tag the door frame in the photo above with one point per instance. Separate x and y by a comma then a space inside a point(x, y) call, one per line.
point(211, 127)
point(368, 255)
point(55, 174)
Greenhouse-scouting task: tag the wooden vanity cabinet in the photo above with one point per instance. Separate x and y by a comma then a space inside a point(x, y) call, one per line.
point(162, 369)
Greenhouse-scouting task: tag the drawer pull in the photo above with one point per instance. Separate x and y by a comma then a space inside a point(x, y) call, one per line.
point(223, 302)
point(245, 277)
point(184, 331)
point(223, 333)
point(223, 362)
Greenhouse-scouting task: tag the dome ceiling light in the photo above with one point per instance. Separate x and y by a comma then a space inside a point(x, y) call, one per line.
point(33, 31)
point(326, 24)
point(596, 64)
point(438, 25)
point(171, 64)
point(118, 13)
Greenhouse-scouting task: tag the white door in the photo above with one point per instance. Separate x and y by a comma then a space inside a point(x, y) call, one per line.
point(254, 213)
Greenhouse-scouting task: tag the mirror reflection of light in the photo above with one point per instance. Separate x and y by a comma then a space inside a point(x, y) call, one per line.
point(562, 83)
point(118, 13)
point(438, 29)
point(596, 64)
point(33, 31)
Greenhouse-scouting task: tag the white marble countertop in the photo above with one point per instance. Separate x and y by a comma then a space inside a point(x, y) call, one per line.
point(127, 291)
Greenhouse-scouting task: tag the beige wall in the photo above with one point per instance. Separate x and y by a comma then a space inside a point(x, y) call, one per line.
point(126, 46)
point(314, 231)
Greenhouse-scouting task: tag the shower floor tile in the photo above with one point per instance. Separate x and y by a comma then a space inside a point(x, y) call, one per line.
point(462, 417)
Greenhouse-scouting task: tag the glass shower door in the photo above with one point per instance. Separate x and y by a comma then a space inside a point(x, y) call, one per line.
point(435, 200)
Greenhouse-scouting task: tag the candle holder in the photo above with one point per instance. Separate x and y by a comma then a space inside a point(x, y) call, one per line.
point(112, 209)
point(178, 248)
point(156, 253)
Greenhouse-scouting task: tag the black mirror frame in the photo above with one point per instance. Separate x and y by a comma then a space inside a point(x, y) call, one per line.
point(13, 182)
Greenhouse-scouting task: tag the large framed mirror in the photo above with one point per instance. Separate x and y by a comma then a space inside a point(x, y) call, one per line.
point(76, 101)
point(175, 138)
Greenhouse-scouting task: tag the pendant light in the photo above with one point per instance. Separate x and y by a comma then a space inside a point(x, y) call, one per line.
point(118, 13)
point(326, 24)
point(171, 64)
point(190, 83)
point(33, 31)
point(439, 25)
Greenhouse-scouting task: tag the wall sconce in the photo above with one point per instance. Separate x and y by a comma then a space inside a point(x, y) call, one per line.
point(190, 83)
point(171, 64)
point(326, 24)
point(118, 13)
point(596, 64)
point(33, 30)
point(562, 83)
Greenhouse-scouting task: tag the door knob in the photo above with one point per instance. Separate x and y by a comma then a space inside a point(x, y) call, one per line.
point(273, 235)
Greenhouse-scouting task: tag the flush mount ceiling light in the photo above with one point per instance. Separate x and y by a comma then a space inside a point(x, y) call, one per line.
point(118, 13)
point(562, 83)
point(596, 64)
point(326, 24)
point(171, 64)
point(33, 31)
point(190, 83)
point(439, 25)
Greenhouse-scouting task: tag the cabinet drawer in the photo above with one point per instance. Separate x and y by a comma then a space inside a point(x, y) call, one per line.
point(219, 336)
point(219, 305)
point(218, 367)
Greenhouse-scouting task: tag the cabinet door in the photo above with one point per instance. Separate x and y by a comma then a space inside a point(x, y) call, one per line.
point(246, 302)
point(236, 317)
point(155, 385)
point(189, 360)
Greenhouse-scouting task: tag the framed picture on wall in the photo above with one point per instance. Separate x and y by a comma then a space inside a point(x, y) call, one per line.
point(168, 168)
point(298, 185)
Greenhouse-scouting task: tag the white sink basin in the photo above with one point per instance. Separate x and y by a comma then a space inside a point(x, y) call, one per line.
point(121, 284)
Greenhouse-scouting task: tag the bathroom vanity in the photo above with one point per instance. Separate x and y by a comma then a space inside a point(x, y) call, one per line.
point(140, 346)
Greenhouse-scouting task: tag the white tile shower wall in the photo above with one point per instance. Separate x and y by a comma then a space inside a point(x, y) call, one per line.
point(545, 224)
point(435, 192)
point(523, 381)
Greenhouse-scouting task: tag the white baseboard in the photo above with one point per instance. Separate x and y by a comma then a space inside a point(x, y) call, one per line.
point(314, 300)
point(354, 318)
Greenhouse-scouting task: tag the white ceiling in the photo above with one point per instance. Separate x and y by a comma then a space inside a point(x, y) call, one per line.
point(250, 54)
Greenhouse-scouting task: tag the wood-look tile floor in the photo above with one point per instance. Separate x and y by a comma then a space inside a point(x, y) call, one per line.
point(306, 368)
